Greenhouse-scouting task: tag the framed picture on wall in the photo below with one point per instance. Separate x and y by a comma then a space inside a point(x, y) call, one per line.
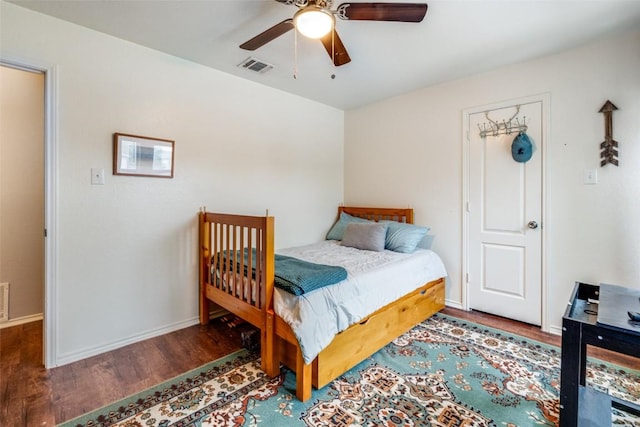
point(142, 156)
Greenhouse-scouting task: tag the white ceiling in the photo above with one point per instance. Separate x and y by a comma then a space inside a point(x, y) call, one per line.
point(457, 38)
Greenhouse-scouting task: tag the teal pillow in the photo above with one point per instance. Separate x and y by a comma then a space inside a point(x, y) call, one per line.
point(402, 237)
point(427, 242)
point(338, 228)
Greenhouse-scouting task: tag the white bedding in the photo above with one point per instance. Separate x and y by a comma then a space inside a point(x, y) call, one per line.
point(374, 280)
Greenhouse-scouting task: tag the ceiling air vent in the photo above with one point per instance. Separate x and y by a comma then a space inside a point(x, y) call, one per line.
point(256, 65)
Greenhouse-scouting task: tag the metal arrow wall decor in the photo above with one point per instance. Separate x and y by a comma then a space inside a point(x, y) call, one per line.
point(609, 153)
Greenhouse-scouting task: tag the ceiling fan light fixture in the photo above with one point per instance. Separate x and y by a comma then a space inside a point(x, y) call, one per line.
point(314, 22)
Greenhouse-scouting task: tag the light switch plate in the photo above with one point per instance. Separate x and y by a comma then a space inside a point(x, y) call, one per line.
point(590, 176)
point(97, 176)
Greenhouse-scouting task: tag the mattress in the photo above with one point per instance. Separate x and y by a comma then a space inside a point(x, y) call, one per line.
point(374, 279)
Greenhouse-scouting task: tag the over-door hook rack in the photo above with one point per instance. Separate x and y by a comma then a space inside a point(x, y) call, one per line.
point(506, 127)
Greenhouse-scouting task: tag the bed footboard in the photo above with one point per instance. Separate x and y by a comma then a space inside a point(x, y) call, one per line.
point(237, 273)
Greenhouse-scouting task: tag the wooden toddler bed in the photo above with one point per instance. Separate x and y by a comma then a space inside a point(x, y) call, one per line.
point(244, 285)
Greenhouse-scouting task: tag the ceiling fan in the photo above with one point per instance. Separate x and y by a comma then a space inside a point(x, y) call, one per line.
point(315, 19)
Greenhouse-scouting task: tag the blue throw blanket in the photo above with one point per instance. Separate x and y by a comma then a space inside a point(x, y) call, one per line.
point(297, 276)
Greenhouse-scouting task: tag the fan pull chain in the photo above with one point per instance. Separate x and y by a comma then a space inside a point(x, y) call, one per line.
point(295, 54)
point(333, 50)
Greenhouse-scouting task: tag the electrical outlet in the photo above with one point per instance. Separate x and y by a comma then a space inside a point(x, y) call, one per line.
point(97, 176)
point(590, 176)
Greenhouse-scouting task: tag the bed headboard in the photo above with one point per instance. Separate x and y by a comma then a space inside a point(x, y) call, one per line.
point(377, 214)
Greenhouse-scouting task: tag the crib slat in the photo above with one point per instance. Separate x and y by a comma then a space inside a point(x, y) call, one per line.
point(227, 267)
point(243, 263)
point(258, 281)
point(250, 284)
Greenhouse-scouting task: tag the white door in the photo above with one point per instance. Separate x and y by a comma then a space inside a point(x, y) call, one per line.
point(504, 219)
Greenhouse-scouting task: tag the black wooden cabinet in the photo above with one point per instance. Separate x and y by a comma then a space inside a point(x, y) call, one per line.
point(580, 405)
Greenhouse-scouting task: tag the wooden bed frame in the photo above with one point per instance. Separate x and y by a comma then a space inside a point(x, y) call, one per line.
point(252, 299)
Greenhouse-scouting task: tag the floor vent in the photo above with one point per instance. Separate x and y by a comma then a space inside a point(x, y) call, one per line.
point(4, 302)
point(255, 65)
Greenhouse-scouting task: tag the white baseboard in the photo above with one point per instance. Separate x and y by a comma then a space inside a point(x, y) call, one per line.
point(65, 359)
point(453, 304)
point(83, 354)
point(555, 330)
point(21, 320)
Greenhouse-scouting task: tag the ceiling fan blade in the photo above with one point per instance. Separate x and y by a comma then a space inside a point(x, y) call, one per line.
point(268, 35)
point(335, 48)
point(402, 12)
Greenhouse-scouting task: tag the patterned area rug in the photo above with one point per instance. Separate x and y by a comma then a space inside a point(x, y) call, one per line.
point(444, 372)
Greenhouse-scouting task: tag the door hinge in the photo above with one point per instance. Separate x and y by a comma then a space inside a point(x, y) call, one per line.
point(467, 207)
point(467, 278)
point(45, 232)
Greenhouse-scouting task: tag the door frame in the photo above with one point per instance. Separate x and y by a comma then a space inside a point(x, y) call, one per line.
point(544, 99)
point(50, 313)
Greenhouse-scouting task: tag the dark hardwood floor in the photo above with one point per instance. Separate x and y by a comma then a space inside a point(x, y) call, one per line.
point(33, 396)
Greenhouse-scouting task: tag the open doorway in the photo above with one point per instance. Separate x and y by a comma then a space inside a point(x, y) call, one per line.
point(25, 160)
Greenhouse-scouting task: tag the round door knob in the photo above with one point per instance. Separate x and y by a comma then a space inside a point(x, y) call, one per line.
point(532, 225)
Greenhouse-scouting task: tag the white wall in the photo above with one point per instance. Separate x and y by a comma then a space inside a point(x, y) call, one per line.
point(408, 150)
point(22, 191)
point(127, 251)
